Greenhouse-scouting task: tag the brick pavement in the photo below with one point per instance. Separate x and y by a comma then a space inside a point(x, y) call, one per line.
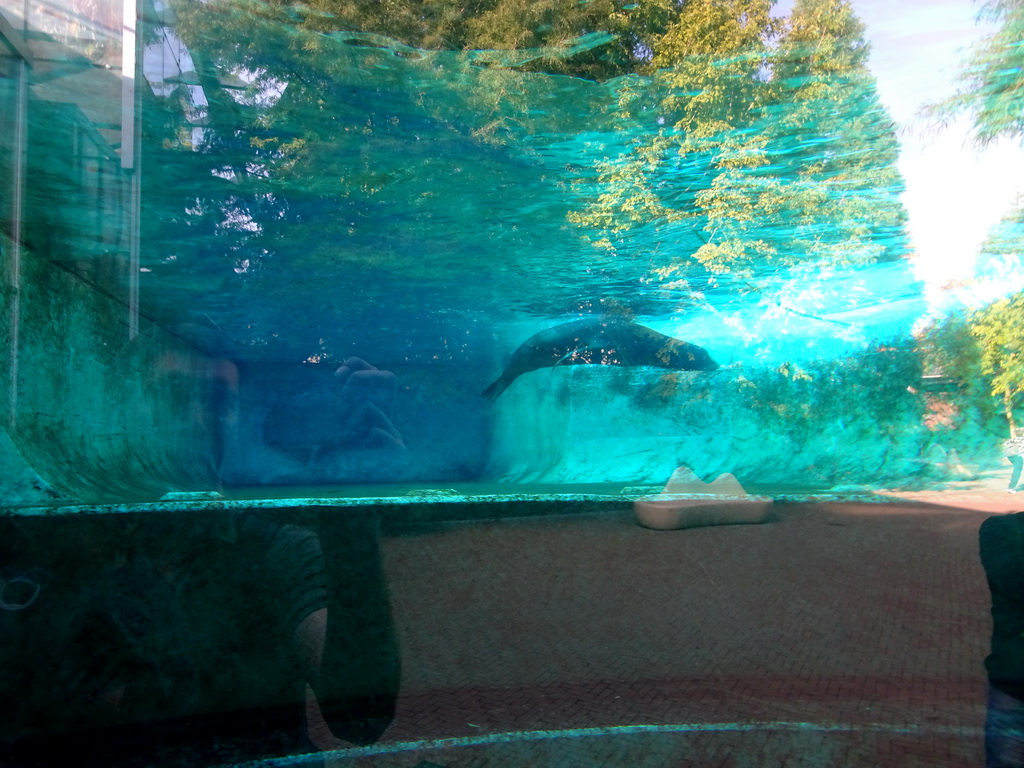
point(834, 635)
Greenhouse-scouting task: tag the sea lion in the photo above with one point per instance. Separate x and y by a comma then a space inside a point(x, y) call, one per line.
point(601, 340)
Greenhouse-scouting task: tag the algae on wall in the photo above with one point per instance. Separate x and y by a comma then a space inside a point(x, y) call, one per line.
point(98, 415)
point(852, 422)
point(100, 404)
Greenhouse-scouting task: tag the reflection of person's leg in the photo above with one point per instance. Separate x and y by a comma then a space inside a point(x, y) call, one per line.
point(1004, 731)
point(370, 427)
point(1018, 465)
point(295, 565)
point(309, 639)
point(225, 409)
point(377, 387)
point(382, 430)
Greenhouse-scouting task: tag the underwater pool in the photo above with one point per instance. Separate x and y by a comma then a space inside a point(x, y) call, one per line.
point(344, 345)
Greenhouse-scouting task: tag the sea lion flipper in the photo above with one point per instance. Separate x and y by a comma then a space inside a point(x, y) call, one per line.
point(498, 386)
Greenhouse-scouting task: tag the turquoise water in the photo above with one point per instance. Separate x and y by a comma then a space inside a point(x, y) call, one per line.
point(257, 215)
point(433, 197)
point(278, 274)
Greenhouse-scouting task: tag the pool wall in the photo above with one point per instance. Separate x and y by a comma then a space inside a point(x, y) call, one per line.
point(97, 410)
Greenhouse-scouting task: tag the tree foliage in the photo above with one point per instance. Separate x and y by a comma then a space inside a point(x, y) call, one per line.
point(772, 144)
point(462, 25)
point(997, 330)
point(756, 139)
point(983, 351)
point(991, 83)
point(992, 79)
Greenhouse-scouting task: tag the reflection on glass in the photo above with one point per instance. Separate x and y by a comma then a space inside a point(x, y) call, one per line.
point(289, 289)
point(192, 633)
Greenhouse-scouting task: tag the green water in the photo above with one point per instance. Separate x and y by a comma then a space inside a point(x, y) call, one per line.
point(416, 203)
point(331, 330)
point(247, 217)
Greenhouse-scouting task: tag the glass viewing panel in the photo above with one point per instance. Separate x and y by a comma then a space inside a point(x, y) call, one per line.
point(289, 288)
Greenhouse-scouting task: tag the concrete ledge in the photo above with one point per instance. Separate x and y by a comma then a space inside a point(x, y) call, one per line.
point(670, 512)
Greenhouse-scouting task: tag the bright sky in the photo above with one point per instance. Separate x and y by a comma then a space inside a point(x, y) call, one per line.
point(955, 192)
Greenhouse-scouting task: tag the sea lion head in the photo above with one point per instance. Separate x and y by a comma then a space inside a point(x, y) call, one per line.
point(699, 359)
point(683, 356)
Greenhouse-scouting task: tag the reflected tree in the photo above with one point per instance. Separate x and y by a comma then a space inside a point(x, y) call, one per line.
point(774, 147)
point(351, 140)
point(1001, 261)
point(992, 79)
point(996, 328)
point(983, 352)
point(705, 84)
point(990, 96)
point(834, 182)
point(739, 143)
